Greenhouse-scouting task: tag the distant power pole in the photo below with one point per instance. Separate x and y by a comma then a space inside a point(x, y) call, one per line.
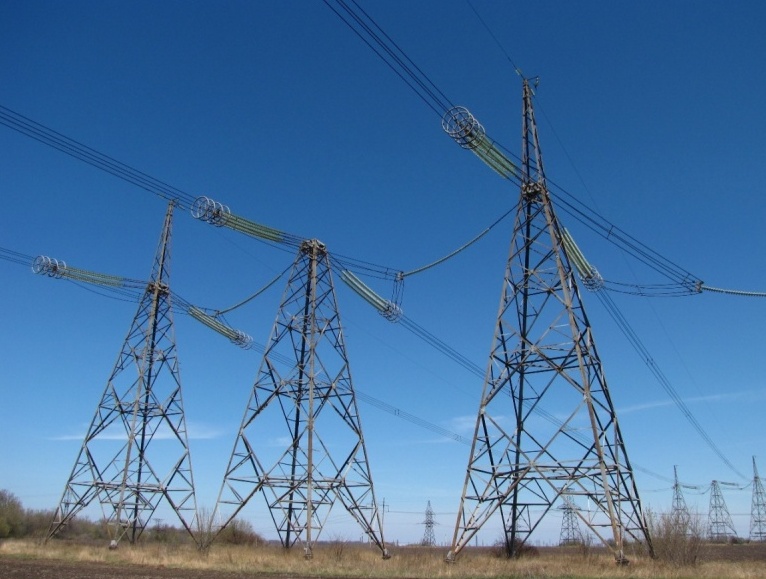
point(721, 525)
point(679, 511)
point(429, 539)
point(758, 511)
point(570, 526)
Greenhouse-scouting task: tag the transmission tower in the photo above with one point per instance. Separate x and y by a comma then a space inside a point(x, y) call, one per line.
point(758, 511)
point(429, 539)
point(300, 442)
point(117, 465)
point(543, 364)
point(570, 526)
point(679, 511)
point(721, 525)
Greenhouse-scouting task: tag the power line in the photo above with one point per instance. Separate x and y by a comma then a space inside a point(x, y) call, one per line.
point(180, 305)
point(492, 35)
point(75, 149)
point(472, 136)
point(647, 358)
point(365, 27)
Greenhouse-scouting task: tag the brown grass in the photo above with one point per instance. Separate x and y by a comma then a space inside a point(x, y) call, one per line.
point(353, 560)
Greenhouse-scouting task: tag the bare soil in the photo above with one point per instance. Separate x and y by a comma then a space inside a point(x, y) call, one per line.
point(734, 552)
point(18, 568)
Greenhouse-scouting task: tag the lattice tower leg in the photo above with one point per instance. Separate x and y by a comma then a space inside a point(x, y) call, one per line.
point(758, 510)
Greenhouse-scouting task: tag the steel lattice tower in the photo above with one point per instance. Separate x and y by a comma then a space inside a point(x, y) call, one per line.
point(543, 364)
point(758, 510)
point(679, 512)
point(721, 526)
point(570, 526)
point(117, 464)
point(429, 538)
point(300, 442)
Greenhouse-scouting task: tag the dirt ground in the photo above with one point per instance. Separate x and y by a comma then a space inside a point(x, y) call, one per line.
point(734, 552)
point(17, 568)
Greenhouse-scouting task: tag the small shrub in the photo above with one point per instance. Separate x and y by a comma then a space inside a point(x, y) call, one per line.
point(37, 523)
point(204, 529)
point(11, 516)
point(239, 532)
point(337, 548)
point(677, 537)
point(505, 549)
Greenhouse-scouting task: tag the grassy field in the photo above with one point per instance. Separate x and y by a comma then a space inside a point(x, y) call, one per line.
point(342, 559)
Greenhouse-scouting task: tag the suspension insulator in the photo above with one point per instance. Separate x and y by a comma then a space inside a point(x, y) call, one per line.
point(461, 125)
point(237, 337)
point(51, 267)
point(589, 275)
point(387, 309)
point(211, 211)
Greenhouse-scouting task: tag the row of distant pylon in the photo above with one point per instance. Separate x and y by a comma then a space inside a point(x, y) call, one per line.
point(720, 525)
point(543, 365)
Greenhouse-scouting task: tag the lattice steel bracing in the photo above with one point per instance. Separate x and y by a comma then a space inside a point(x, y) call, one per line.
point(300, 443)
point(429, 538)
point(570, 525)
point(679, 503)
point(136, 452)
point(758, 510)
point(546, 425)
point(721, 527)
point(679, 511)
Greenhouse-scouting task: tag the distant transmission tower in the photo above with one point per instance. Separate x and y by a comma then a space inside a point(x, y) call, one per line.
point(429, 539)
point(721, 525)
point(543, 365)
point(758, 511)
point(117, 464)
point(300, 442)
point(570, 526)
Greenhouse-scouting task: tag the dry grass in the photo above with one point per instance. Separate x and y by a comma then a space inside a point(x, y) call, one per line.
point(340, 559)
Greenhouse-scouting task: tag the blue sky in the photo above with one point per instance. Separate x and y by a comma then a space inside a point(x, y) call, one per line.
point(650, 113)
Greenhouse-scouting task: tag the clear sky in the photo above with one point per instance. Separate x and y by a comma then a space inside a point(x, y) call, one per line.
point(650, 113)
